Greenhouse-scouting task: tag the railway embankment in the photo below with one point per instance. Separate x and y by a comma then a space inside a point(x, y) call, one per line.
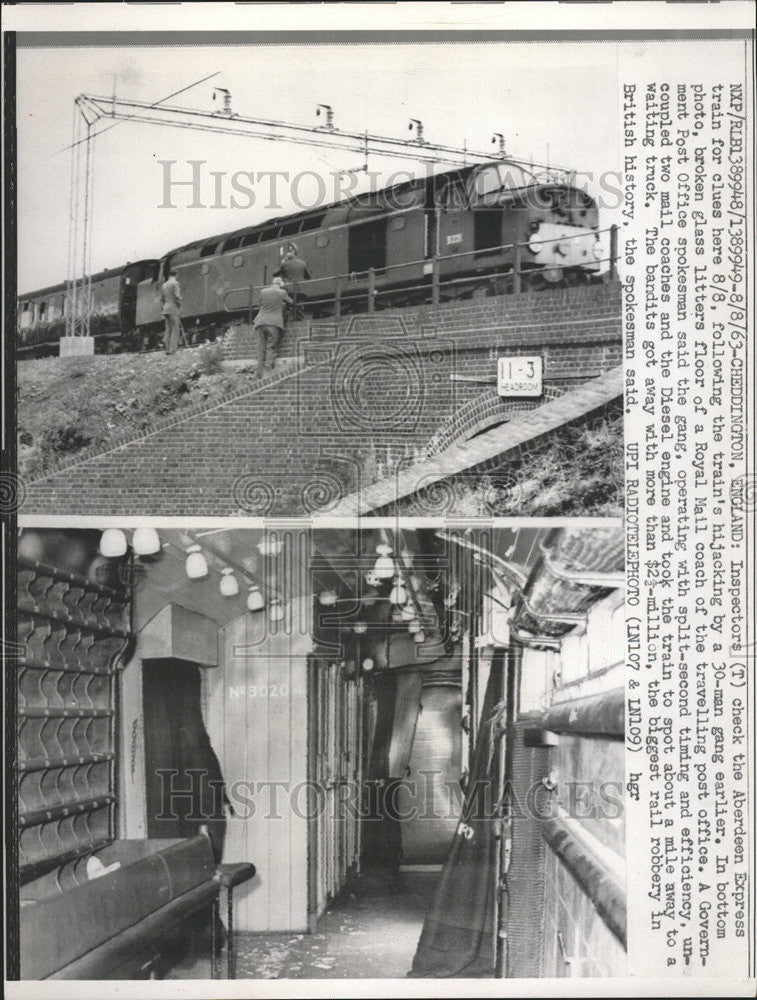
point(67, 406)
point(351, 403)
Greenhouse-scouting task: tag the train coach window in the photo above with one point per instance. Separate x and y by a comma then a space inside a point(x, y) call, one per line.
point(208, 249)
point(42, 309)
point(312, 222)
point(290, 228)
point(269, 234)
point(322, 240)
point(397, 223)
point(233, 243)
point(237, 260)
point(250, 239)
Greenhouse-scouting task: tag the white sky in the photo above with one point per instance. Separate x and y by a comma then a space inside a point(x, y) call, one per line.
point(558, 100)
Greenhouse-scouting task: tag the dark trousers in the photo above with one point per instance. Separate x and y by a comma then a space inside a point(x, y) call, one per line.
point(268, 339)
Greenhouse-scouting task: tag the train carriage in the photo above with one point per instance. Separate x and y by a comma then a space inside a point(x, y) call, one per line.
point(42, 315)
point(490, 227)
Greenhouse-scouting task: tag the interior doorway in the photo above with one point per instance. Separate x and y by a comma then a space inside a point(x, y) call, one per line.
point(184, 787)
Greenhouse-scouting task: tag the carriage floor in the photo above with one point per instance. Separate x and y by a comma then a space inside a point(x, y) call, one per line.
point(370, 931)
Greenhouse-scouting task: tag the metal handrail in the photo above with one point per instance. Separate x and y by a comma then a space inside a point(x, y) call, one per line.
point(436, 280)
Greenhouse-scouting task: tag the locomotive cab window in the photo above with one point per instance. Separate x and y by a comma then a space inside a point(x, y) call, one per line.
point(208, 249)
point(487, 228)
point(501, 176)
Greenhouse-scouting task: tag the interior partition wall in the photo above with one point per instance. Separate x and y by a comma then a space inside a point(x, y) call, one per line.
point(335, 775)
point(256, 712)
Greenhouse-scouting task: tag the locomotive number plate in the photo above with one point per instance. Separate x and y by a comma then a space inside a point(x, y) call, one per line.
point(519, 376)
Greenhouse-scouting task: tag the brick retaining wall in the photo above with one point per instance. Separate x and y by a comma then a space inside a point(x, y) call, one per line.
point(350, 403)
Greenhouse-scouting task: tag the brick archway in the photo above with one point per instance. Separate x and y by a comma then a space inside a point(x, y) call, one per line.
point(480, 414)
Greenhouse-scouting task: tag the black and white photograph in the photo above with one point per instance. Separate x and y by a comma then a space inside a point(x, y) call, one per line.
point(321, 754)
point(378, 479)
point(277, 280)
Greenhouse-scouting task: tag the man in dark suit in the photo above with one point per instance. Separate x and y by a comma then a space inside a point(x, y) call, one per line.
point(294, 270)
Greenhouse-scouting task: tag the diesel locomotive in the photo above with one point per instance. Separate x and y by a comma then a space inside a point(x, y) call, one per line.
point(496, 226)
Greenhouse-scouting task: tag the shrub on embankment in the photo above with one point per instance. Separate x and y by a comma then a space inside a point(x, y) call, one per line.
point(68, 404)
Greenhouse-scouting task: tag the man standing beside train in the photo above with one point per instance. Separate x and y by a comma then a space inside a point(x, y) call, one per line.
point(171, 312)
point(293, 270)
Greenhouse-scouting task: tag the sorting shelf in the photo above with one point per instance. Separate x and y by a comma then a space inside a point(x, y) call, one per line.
point(73, 632)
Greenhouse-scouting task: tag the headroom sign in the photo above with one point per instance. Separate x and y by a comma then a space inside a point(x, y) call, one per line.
point(519, 376)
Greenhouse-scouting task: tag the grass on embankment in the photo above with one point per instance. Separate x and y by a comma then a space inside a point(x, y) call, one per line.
point(68, 404)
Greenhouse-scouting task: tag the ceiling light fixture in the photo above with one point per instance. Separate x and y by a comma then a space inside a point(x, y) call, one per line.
point(384, 565)
point(196, 565)
point(398, 593)
point(275, 610)
point(113, 543)
point(255, 600)
point(145, 541)
point(270, 545)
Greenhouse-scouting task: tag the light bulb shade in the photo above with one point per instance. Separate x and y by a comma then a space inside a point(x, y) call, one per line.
point(255, 601)
point(420, 637)
point(396, 615)
point(270, 545)
point(408, 612)
point(384, 567)
point(145, 541)
point(196, 565)
point(275, 610)
point(413, 626)
point(327, 598)
point(113, 543)
point(229, 583)
point(398, 593)
point(360, 628)
point(368, 664)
